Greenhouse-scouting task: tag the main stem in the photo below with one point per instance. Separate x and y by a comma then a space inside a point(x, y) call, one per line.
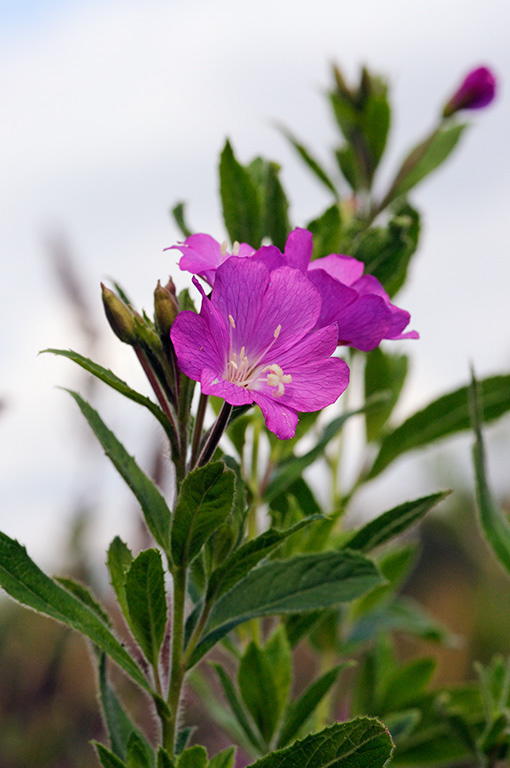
point(177, 669)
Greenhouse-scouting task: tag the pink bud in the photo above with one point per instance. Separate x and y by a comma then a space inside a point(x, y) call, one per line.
point(477, 90)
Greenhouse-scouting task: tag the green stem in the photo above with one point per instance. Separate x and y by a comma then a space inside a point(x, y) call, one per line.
point(215, 435)
point(177, 670)
point(197, 431)
point(162, 399)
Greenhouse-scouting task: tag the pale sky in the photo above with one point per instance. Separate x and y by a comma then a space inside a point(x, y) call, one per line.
point(113, 111)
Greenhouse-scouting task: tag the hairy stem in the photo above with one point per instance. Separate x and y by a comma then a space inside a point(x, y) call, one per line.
point(215, 435)
point(177, 669)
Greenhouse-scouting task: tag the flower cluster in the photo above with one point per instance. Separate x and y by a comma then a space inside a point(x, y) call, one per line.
point(268, 331)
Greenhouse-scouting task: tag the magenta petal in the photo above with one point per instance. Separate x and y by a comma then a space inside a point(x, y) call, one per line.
point(365, 323)
point(314, 388)
point(199, 253)
point(343, 268)
point(336, 296)
point(198, 342)
point(298, 249)
point(279, 418)
point(271, 256)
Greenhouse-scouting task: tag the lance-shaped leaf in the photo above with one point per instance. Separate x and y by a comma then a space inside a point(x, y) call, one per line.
point(424, 159)
point(154, 507)
point(237, 708)
point(383, 372)
point(242, 208)
point(303, 708)
point(223, 759)
point(360, 743)
point(119, 561)
point(178, 212)
point(108, 759)
point(139, 754)
point(301, 583)
point(275, 220)
point(443, 417)
point(258, 683)
point(23, 580)
point(494, 524)
point(249, 554)
point(310, 161)
point(393, 522)
point(204, 503)
point(108, 377)
point(146, 602)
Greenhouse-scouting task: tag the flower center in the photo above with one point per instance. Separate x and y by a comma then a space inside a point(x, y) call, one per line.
point(248, 373)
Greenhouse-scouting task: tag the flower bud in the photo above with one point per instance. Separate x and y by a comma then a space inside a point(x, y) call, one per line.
point(166, 307)
point(476, 91)
point(120, 316)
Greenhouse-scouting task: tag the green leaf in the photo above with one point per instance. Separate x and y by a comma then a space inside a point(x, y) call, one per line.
point(401, 615)
point(301, 583)
point(424, 159)
point(119, 561)
point(259, 690)
point(303, 708)
point(24, 581)
point(183, 737)
point(204, 503)
point(193, 757)
point(107, 758)
point(114, 382)
point(384, 372)
point(291, 469)
point(146, 601)
point(223, 759)
point(327, 231)
point(360, 743)
point(117, 721)
point(407, 684)
point(248, 555)
point(178, 213)
point(154, 507)
point(394, 565)
point(445, 416)
point(278, 653)
point(240, 200)
point(393, 522)
point(84, 594)
point(164, 760)
point(275, 206)
point(138, 753)
point(495, 526)
point(237, 707)
point(311, 162)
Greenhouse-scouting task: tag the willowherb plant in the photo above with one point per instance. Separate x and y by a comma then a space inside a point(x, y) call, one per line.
point(245, 560)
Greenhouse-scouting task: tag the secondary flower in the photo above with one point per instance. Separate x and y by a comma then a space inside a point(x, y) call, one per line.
point(202, 254)
point(357, 303)
point(253, 342)
point(476, 91)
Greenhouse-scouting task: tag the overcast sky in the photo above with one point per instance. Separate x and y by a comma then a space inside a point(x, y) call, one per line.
point(113, 111)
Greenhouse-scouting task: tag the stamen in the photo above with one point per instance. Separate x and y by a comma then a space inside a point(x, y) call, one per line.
point(277, 331)
point(231, 321)
point(235, 248)
point(277, 378)
point(223, 248)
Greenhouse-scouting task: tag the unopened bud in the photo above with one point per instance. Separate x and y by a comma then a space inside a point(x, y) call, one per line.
point(166, 307)
point(476, 91)
point(120, 316)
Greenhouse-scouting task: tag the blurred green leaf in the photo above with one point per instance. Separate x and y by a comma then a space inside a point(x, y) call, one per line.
point(257, 684)
point(107, 758)
point(443, 417)
point(393, 522)
point(242, 206)
point(360, 743)
point(146, 602)
point(139, 754)
point(424, 159)
point(275, 206)
point(24, 581)
point(303, 708)
point(223, 759)
point(310, 161)
point(407, 684)
point(237, 707)
point(164, 760)
point(384, 372)
point(154, 507)
point(327, 231)
point(193, 757)
point(495, 526)
point(178, 212)
point(300, 583)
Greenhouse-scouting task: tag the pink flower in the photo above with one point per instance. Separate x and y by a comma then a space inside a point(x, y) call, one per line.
point(357, 303)
point(202, 255)
point(476, 91)
point(253, 342)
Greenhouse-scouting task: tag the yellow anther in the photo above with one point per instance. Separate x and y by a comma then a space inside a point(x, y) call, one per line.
point(223, 248)
point(235, 248)
point(277, 331)
point(231, 321)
